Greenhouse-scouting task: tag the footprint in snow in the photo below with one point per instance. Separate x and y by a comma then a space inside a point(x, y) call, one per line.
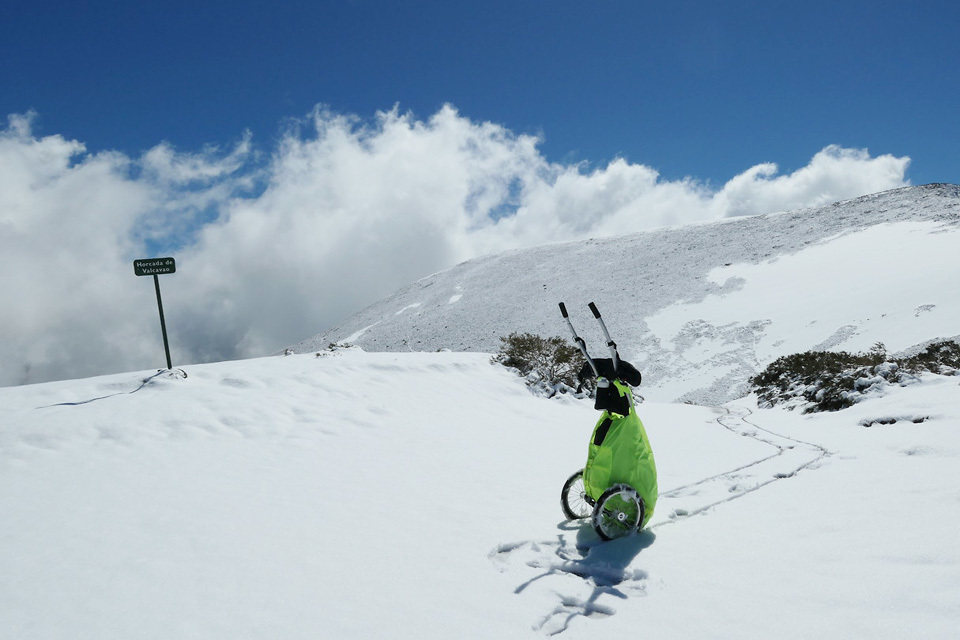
point(579, 572)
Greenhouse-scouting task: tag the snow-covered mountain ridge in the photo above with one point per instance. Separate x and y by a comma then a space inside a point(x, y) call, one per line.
point(879, 268)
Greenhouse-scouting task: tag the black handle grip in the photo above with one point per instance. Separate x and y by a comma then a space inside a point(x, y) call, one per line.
point(563, 309)
point(596, 312)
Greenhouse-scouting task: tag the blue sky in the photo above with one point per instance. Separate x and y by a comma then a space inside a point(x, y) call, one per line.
point(302, 160)
point(703, 89)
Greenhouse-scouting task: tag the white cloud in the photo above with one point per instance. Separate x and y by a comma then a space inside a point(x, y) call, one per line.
point(833, 174)
point(341, 213)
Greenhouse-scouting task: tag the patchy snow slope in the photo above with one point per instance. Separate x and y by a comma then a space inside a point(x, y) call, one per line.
point(397, 495)
point(673, 297)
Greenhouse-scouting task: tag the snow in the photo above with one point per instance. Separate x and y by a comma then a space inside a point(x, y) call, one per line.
point(414, 493)
point(808, 313)
point(389, 495)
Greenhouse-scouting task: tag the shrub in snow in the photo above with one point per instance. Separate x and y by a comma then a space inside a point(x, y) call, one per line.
point(549, 365)
point(939, 357)
point(824, 380)
point(834, 380)
point(334, 347)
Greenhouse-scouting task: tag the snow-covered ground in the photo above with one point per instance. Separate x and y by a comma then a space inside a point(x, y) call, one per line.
point(416, 495)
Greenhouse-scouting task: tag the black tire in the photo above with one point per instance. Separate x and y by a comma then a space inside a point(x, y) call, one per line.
point(574, 499)
point(619, 512)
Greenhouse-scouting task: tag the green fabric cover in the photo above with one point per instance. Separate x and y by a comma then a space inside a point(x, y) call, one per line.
point(622, 455)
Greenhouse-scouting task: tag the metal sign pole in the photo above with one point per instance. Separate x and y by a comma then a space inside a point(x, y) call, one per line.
point(163, 324)
point(155, 267)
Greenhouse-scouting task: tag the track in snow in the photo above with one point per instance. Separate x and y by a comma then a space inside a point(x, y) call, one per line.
point(789, 458)
point(605, 569)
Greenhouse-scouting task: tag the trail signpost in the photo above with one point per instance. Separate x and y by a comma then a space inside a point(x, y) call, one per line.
point(156, 267)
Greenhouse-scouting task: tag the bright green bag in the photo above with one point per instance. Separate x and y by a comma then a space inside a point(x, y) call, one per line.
point(620, 452)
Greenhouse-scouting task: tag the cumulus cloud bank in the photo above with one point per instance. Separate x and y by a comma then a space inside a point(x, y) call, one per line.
point(274, 246)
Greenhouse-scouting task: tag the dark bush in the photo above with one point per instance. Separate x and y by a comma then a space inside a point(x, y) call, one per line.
point(936, 358)
point(834, 380)
point(551, 364)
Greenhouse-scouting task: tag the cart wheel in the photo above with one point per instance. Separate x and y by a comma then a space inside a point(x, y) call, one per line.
point(618, 512)
point(574, 499)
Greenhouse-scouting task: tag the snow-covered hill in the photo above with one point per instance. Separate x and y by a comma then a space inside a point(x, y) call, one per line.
point(401, 495)
point(701, 308)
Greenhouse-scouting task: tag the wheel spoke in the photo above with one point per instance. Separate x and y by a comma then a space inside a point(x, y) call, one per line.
point(619, 512)
point(574, 499)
